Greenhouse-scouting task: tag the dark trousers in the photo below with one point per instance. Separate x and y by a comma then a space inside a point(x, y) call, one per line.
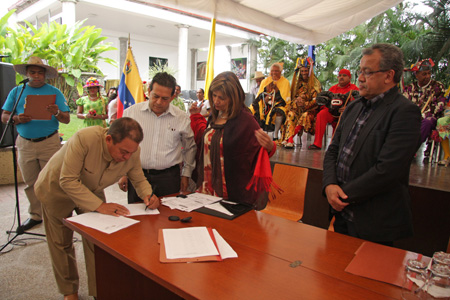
point(341, 225)
point(164, 182)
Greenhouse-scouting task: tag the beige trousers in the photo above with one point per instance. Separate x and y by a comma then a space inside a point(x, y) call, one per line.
point(32, 158)
point(62, 252)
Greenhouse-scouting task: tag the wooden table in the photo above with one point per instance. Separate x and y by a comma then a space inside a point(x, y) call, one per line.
point(128, 267)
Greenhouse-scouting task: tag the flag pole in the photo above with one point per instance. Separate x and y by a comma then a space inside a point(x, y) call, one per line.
point(210, 60)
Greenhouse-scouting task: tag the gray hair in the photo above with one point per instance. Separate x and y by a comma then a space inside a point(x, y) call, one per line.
point(278, 65)
point(391, 58)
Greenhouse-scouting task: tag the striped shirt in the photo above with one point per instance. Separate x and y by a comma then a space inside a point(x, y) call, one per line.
point(168, 138)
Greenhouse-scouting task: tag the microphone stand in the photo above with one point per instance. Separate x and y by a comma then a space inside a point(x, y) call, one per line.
point(19, 230)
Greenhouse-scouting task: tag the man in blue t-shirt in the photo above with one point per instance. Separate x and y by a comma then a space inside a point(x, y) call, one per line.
point(38, 140)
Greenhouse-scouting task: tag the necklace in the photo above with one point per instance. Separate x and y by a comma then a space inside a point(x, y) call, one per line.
point(222, 115)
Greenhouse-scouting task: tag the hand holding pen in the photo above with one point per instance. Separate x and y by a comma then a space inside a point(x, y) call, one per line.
point(152, 201)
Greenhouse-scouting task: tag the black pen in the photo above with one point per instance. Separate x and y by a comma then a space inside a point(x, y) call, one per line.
point(153, 192)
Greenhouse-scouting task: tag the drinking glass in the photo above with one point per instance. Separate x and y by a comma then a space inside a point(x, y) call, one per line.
point(415, 278)
point(439, 283)
point(441, 258)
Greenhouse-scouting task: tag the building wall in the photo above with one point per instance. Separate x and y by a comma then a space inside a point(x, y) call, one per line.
point(222, 62)
point(142, 50)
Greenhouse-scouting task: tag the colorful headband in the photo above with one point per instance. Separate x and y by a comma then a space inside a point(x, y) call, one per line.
point(422, 65)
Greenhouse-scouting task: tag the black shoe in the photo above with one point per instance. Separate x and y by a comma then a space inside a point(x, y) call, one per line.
point(29, 223)
point(313, 147)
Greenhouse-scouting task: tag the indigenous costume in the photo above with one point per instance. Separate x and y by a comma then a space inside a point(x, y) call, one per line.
point(282, 85)
point(95, 107)
point(293, 112)
point(267, 105)
point(443, 128)
point(329, 112)
point(429, 98)
point(308, 109)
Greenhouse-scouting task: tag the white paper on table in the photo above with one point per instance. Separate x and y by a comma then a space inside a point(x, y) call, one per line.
point(188, 243)
point(191, 202)
point(101, 222)
point(137, 209)
point(224, 248)
point(219, 207)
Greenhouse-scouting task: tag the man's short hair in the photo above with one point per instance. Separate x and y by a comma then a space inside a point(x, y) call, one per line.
point(126, 128)
point(200, 89)
point(391, 59)
point(164, 79)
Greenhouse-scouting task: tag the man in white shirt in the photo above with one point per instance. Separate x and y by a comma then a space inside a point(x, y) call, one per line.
point(168, 143)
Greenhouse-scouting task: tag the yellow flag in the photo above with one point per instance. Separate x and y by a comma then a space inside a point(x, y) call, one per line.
point(210, 61)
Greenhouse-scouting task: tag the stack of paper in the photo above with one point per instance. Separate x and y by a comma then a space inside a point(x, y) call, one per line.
point(193, 244)
point(191, 202)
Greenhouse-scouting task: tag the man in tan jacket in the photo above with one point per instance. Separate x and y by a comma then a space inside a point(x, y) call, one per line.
point(74, 180)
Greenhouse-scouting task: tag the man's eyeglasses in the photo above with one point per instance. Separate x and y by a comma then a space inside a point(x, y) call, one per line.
point(367, 74)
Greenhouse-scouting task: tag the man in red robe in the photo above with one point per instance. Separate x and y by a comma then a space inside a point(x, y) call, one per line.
point(324, 117)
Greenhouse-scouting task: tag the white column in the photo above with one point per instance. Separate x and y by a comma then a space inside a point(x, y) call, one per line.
point(252, 65)
point(194, 60)
point(183, 49)
point(68, 12)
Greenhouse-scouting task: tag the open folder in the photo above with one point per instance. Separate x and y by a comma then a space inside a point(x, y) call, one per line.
point(197, 244)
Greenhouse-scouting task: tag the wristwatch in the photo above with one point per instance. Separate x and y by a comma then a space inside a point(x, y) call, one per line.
point(57, 113)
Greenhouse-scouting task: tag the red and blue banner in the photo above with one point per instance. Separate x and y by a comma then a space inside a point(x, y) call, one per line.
point(130, 89)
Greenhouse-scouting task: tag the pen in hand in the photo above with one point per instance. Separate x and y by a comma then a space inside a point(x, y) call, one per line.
point(153, 192)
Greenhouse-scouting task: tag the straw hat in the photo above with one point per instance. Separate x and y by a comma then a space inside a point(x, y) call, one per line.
point(50, 72)
point(92, 81)
point(259, 74)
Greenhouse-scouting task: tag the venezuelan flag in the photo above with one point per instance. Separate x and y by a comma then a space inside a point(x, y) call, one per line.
point(130, 87)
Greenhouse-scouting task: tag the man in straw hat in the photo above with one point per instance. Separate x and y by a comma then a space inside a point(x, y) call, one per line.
point(428, 95)
point(38, 140)
point(259, 77)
